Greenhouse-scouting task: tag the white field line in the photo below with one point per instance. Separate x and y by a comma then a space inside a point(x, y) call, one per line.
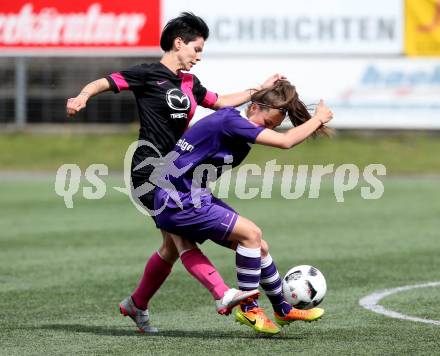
point(371, 301)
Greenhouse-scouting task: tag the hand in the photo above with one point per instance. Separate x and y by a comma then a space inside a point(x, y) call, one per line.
point(76, 104)
point(323, 113)
point(271, 80)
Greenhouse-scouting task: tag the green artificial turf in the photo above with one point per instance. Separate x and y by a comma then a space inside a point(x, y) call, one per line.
point(63, 272)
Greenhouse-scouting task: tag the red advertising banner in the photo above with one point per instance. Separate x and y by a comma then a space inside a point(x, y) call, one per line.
point(102, 25)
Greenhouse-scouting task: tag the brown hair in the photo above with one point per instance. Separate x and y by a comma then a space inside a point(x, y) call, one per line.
point(283, 95)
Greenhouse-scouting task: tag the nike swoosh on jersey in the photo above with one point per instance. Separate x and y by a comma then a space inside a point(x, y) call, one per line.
point(162, 82)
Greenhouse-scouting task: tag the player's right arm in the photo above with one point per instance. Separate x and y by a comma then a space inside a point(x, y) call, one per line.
point(79, 102)
point(297, 134)
point(133, 78)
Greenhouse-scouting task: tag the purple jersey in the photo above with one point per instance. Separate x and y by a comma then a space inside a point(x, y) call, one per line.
point(220, 139)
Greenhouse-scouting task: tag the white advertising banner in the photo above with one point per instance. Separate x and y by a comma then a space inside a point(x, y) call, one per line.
point(363, 93)
point(298, 26)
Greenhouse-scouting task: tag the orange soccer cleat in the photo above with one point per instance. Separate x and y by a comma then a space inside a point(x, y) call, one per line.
point(257, 320)
point(299, 314)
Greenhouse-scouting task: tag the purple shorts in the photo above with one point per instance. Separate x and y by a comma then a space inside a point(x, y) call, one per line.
point(213, 220)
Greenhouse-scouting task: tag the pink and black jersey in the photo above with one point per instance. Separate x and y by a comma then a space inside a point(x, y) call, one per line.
point(166, 102)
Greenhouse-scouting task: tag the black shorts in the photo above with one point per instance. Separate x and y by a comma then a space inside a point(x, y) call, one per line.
point(146, 200)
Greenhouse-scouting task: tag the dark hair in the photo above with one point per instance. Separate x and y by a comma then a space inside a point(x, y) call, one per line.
point(187, 26)
point(283, 95)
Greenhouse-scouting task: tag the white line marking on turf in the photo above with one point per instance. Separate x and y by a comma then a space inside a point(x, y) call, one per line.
point(371, 301)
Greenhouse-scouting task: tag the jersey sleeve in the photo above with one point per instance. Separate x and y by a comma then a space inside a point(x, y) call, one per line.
point(237, 127)
point(131, 79)
point(203, 96)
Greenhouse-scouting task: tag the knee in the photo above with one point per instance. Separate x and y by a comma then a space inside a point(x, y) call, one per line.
point(169, 253)
point(264, 248)
point(181, 244)
point(255, 235)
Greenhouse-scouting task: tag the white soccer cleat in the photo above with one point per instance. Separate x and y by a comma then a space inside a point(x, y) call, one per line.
point(232, 298)
point(139, 316)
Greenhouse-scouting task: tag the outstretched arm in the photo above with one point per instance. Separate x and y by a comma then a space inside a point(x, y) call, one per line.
point(236, 99)
point(297, 134)
point(79, 102)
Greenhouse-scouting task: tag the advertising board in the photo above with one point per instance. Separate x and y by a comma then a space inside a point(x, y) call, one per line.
point(422, 27)
point(87, 27)
point(392, 93)
point(298, 26)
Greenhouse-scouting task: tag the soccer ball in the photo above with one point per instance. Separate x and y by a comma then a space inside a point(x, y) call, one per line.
point(304, 287)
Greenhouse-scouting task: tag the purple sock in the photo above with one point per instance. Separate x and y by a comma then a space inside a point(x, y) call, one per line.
point(271, 283)
point(248, 264)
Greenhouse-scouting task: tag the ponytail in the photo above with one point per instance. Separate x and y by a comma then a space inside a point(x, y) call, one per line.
point(283, 95)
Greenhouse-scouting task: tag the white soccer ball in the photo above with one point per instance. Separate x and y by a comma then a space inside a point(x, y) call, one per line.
point(304, 287)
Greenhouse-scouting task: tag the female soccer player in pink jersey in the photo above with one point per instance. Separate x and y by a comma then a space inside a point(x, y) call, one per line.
point(166, 98)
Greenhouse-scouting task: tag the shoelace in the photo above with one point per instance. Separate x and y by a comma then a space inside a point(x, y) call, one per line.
point(260, 312)
point(143, 321)
point(248, 300)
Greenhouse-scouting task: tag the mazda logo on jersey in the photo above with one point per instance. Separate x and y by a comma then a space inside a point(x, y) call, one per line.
point(177, 100)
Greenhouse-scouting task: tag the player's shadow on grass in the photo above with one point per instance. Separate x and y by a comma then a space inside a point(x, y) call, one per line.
point(201, 334)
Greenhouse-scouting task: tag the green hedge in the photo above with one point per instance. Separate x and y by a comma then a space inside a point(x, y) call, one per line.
point(415, 154)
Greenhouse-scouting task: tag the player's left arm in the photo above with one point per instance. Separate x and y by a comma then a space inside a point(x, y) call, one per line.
point(239, 98)
point(298, 134)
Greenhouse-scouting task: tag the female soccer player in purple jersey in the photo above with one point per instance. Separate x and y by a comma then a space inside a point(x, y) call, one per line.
point(166, 98)
point(191, 211)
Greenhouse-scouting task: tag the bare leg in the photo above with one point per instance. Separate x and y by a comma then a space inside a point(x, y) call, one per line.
point(168, 250)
